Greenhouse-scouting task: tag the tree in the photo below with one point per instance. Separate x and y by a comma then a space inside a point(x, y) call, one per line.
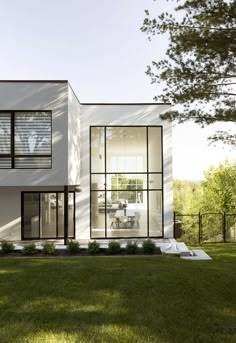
point(186, 196)
point(213, 196)
point(219, 189)
point(199, 71)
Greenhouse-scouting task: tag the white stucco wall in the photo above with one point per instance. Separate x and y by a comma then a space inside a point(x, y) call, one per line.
point(39, 96)
point(123, 115)
point(10, 209)
point(73, 138)
point(70, 150)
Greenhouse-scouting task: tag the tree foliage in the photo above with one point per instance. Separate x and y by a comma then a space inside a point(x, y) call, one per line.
point(216, 193)
point(219, 189)
point(212, 196)
point(186, 196)
point(199, 70)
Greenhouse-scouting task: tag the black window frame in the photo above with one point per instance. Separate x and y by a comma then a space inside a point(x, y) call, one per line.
point(39, 204)
point(105, 190)
point(12, 154)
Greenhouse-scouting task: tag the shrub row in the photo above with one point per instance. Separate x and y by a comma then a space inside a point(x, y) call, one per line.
point(73, 248)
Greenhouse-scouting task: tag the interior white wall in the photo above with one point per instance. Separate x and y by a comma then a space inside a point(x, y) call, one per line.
point(39, 96)
point(123, 115)
point(73, 138)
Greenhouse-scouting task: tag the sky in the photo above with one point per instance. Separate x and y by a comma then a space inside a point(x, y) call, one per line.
point(97, 45)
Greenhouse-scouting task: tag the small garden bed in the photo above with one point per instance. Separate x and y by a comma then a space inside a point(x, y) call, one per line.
point(73, 248)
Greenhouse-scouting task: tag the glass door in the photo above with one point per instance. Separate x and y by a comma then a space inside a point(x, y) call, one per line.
point(43, 215)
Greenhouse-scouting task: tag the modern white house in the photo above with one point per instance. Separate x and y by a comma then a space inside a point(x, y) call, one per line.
point(82, 170)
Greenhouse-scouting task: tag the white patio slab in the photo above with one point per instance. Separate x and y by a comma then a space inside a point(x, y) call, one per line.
point(179, 249)
point(197, 255)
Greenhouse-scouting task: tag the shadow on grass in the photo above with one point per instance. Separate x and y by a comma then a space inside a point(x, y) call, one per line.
point(116, 300)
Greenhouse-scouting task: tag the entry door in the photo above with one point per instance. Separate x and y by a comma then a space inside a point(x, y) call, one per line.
point(43, 215)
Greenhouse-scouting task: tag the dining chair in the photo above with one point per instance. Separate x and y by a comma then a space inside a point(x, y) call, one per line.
point(137, 217)
point(113, 219)
point(124, 221)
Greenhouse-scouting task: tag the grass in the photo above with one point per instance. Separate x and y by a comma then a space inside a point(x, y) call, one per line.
point(119, 299)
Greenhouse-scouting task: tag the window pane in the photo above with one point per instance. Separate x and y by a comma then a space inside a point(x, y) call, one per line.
point(97, 150)
point(155, 213)
point(5, 162)
point(61, 215)
point(5, 133)
point(97, 182)
point(70, 215)
point(126, 181)
point(126, 149)
point(155, 181)
point(33, 133)
point(98, 214)
point(154, 149)
point(33, 162)
point(126, 214)
point(48, 215)
point(31, 215)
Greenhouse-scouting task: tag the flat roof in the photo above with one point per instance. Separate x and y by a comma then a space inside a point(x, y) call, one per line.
point(91, 103)
point(52, 81)
point(125, 103)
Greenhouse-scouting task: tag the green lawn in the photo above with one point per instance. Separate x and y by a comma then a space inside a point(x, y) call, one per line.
point(119, 299)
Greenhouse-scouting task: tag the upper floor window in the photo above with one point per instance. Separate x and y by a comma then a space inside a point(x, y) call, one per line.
point(26, 139)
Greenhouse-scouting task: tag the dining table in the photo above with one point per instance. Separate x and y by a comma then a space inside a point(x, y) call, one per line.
point(125, 213)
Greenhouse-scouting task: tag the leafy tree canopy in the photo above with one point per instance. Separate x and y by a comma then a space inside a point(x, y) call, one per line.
point(219, 189)
point(199, 71)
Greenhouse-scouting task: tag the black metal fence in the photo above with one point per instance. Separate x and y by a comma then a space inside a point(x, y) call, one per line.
point(202, 228)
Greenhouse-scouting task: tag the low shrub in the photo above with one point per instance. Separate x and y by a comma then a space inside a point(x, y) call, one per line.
point(114, 247)
point(73, 247)
point(132, 248)
point(7, 247)
point(29, 249)
point(149, 246)
point(49, 249)
point(93, 248)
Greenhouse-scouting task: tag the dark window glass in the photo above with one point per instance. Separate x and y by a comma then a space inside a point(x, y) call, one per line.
point(31, 215)
point(43, 215)
point(25, 140)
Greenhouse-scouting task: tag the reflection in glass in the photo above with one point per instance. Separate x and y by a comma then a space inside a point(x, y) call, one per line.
point(33, 133)
point(98, 214)
point(155, 181)
point(70, 215)
point(126, 149)
point(43, 215)
point(5, 133)
point(31, 215)
point(97, 150)
point(155, 213)
point(97, 182)
point(48, 214)
point(126, 181)
point(154, 149)
point(71, 205)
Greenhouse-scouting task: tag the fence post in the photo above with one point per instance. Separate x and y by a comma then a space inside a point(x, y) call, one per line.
point(199, 228)
point(224, 227)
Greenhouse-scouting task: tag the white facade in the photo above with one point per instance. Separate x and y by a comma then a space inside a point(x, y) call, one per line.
point(71, 122)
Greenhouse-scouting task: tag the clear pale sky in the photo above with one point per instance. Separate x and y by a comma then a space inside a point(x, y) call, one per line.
point(98, 46)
